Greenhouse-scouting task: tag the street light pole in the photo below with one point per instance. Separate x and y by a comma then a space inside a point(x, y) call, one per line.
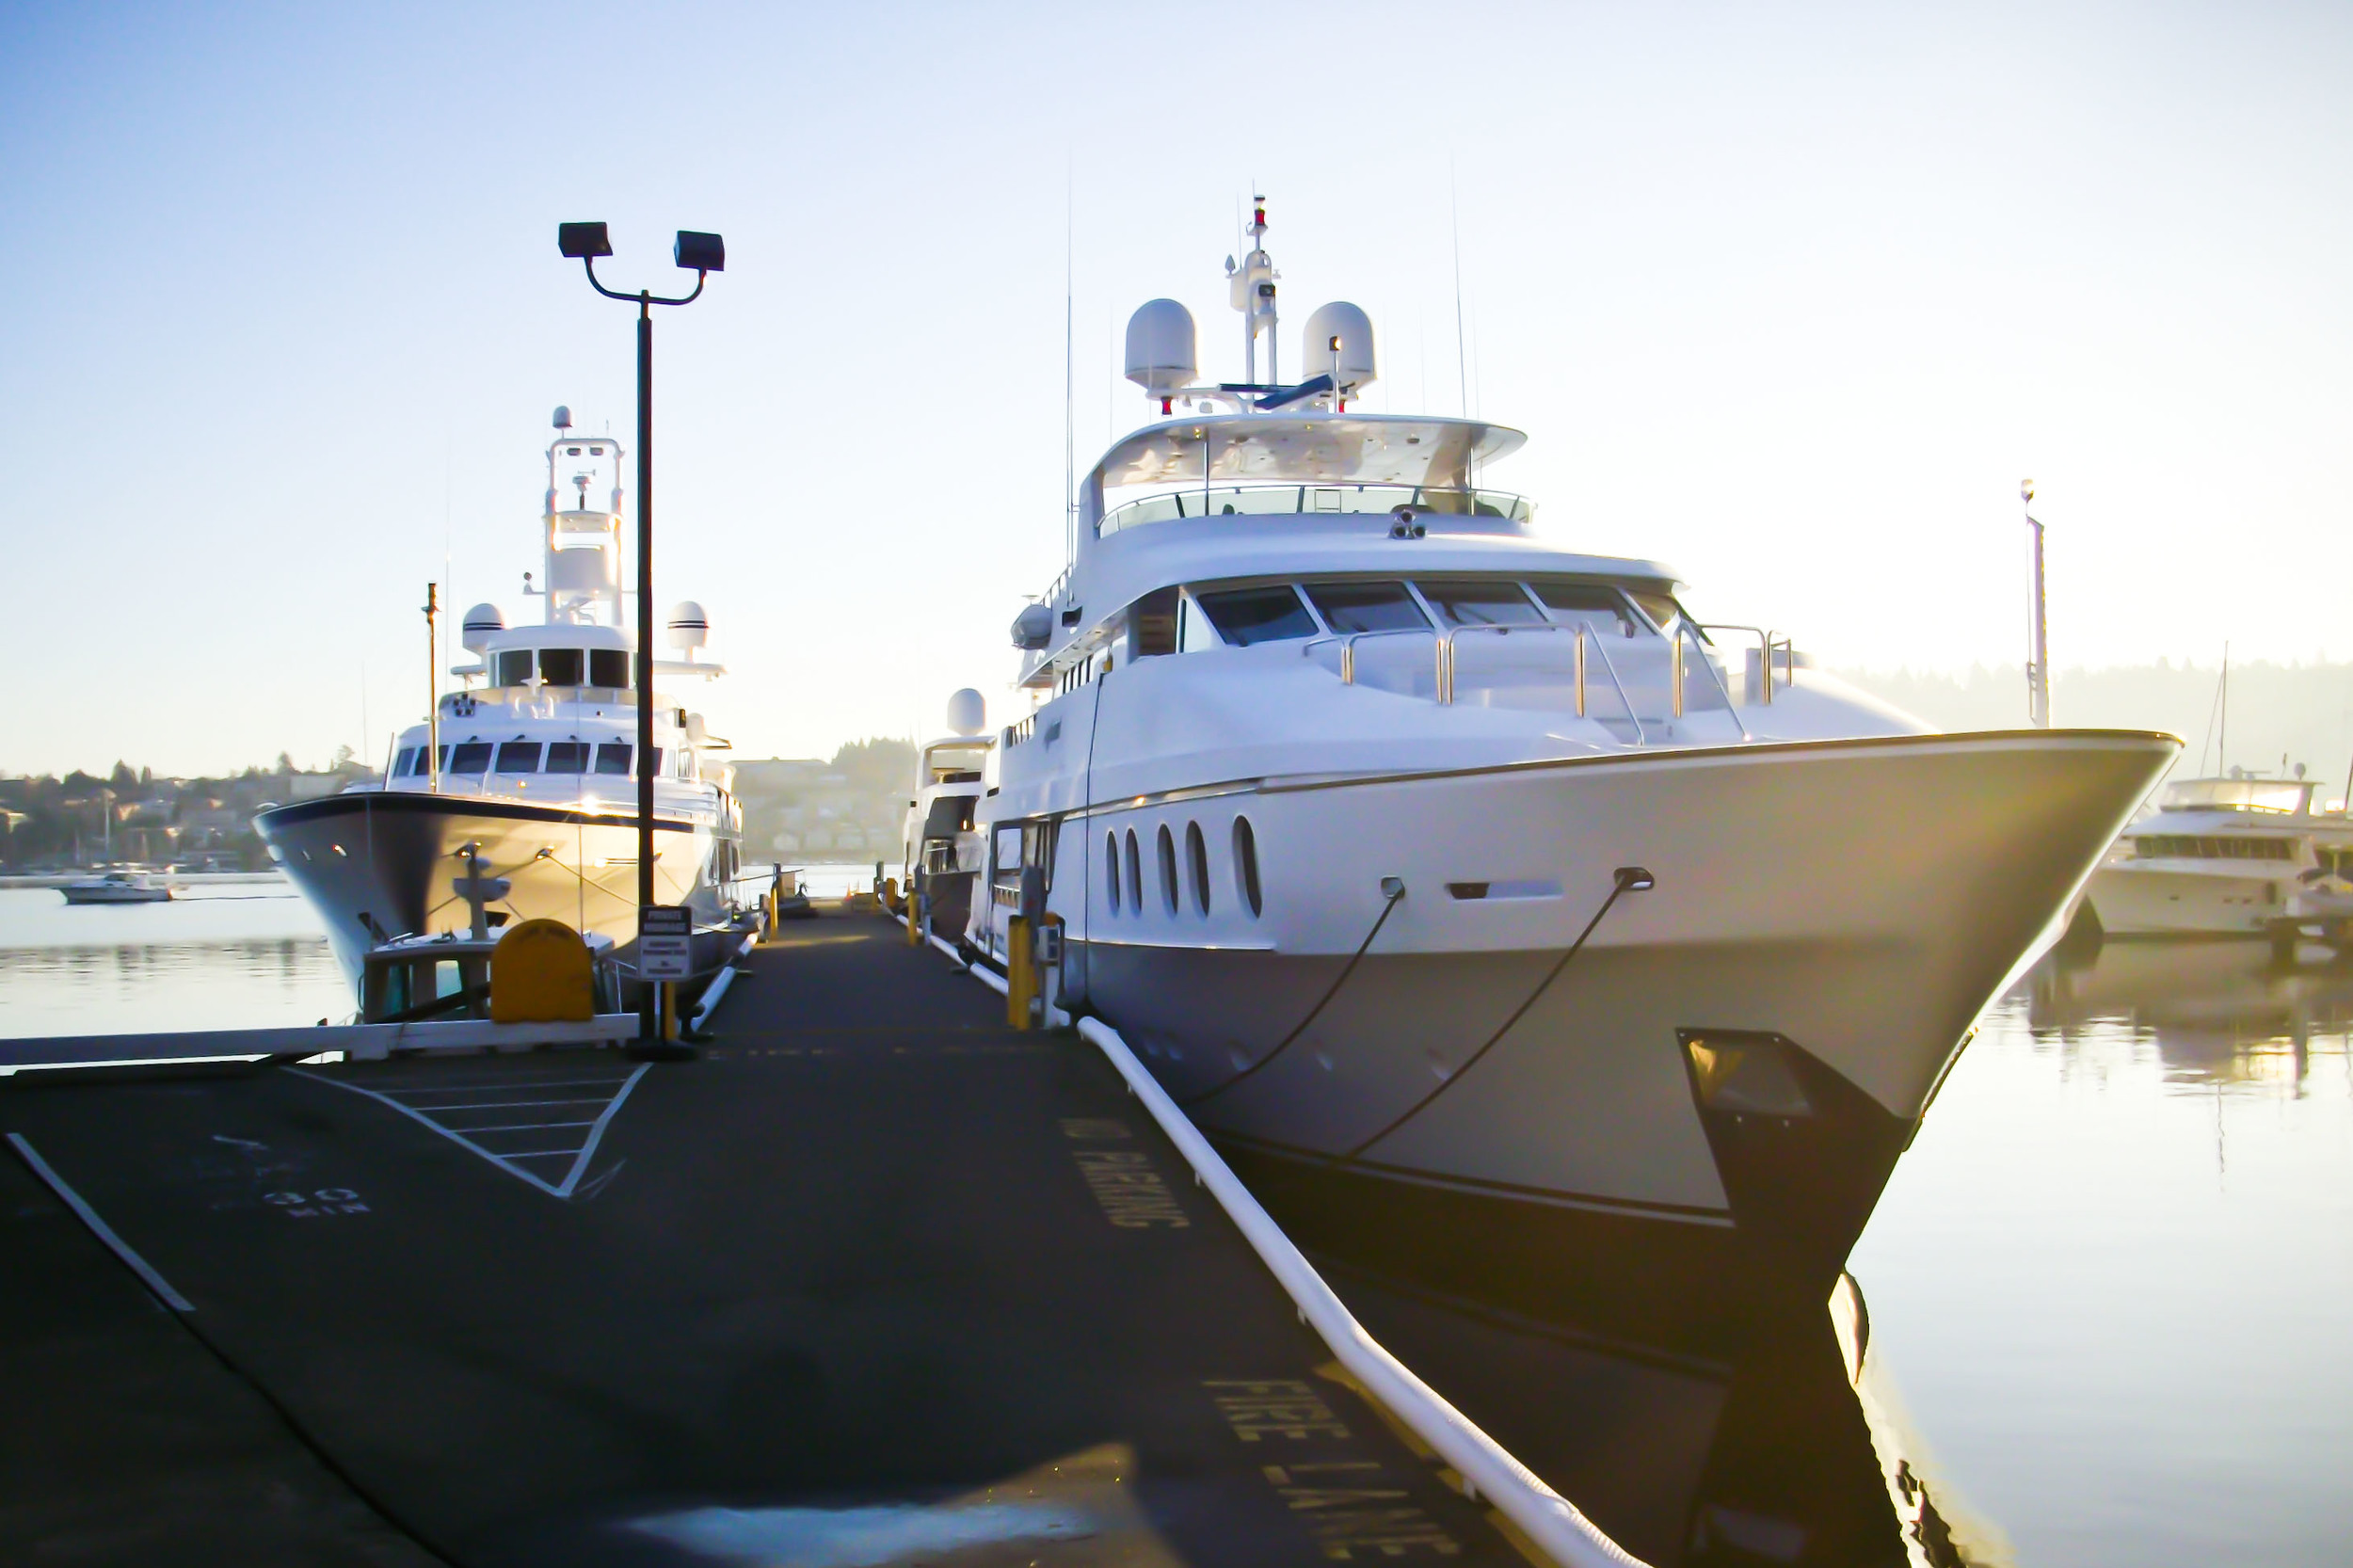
point(706, 254)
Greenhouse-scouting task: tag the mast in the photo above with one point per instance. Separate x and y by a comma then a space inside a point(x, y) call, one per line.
point(2038, 628)
point(432, 691)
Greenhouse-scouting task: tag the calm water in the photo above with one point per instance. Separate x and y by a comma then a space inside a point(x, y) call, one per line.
point(2106, 1292)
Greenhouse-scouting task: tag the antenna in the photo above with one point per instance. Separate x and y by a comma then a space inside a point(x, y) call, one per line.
point(2038, 627)
point(1454, 208)
point(1070, 383)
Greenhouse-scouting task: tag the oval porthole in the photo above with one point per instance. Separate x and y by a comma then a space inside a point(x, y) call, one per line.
point(1246, 865)
point(1168, 869)
point(1135, 875)
point(1197, 859)
point(1110, 868)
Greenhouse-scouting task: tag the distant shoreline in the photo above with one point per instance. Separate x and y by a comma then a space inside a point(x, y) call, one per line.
point(188, 879)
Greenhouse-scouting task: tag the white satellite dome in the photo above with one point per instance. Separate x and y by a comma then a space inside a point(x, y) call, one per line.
point(967, 712)
point(480, 623)
point(1161, 357)
point(689, 627)
point(1339, 345)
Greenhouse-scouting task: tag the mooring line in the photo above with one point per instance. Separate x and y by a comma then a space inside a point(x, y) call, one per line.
point(1394, 890)
point(1624, 879)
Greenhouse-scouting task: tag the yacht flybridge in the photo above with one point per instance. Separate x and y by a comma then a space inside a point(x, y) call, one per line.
point(521, 787)
point(1470, 882)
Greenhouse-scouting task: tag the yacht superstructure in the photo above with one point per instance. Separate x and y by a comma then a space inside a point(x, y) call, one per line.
point(940, 851)
point(2224, 857)
point(1453, 875)
point(530, 766)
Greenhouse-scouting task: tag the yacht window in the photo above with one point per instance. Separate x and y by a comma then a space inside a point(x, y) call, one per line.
point(1368, 607)
point(1474, 602)
point(1197, 861)
point(1168, 869)
point(568, 757)
point(1660, 607)
point(1111, 869)
point(560, 666)
point(608, 666)
point(1247, 615)
point(1009, 855)
point(1246, 864)
point(512, 667)
point(518, 757)
point(470, 757)
point(1152, 624)
point(612, 758)
point(1135, 874)
point(656, 768)
point(407, 761)
point(1601, 608)
point(420, 759)
point(1193, 632)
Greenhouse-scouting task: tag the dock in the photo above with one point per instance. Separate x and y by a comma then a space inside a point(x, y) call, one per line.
point(876, 1279)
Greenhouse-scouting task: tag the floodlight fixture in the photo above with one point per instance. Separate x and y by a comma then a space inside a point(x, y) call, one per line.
point(703, 252)
point(582, 242)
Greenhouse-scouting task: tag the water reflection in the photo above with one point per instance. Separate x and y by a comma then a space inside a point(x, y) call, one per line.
point(2223, 1013)
point(1782, 1448)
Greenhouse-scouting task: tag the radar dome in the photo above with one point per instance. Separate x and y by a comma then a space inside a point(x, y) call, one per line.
point(689, 627)
point(967, 712)
point(1339, 345)
point(1160, 354)
point(480, 622)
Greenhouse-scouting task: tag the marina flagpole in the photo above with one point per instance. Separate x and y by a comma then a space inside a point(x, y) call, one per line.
point(706, 254)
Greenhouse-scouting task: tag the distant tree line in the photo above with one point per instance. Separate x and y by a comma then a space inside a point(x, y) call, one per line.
point(49, 823)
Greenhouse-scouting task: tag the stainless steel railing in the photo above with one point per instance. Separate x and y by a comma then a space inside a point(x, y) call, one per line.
point(1585, 646)
point(1766, 646)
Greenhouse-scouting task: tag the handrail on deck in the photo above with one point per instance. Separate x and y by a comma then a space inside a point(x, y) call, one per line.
point(1768, 645)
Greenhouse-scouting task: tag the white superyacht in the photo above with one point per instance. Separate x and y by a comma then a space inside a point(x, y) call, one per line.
point(530, 765)
point(2231, 856)
point(1464, 882)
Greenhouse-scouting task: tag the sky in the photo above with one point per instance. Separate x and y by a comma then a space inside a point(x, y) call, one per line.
point(1789, 298)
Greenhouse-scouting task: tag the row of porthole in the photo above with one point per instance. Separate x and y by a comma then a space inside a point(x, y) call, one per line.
point(1122, 865)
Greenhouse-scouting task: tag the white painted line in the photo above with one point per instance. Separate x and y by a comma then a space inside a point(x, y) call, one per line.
point(553, 1190)
point(100, 1228)
point(1549, 1519)
point(588, 1150)
point(503, 1105)
point(522, 1083)
point(525, 1127)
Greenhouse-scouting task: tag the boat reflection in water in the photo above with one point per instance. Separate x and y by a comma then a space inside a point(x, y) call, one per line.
point(1780, 1447)
point(2215, 1011)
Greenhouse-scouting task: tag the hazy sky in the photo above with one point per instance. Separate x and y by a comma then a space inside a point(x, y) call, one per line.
point(1790, 297)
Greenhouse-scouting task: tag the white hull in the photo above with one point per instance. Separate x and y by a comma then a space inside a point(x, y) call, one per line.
point(2138, 901)
point(1861, 899)
point(390, 857)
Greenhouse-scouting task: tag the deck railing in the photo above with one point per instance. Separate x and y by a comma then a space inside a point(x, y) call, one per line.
point(1603, 696)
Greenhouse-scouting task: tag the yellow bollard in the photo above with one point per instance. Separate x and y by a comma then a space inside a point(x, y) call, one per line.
point(1020, 973)
point(914, 920)
point(669, 1009)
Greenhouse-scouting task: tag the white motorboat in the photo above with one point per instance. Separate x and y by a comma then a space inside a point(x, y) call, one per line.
point(939, 849)
point(1469, 883)
point(2224, 857)
point(529, 767)
point(120, 888)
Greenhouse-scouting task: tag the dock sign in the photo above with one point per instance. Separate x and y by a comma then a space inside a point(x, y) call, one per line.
point(666, 941)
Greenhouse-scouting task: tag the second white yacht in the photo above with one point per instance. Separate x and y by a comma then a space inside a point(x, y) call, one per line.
point(1468, 882)
point(2223, 857)
point(527, 773)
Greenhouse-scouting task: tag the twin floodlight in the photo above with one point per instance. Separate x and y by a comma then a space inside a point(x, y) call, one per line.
point(587, 242)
